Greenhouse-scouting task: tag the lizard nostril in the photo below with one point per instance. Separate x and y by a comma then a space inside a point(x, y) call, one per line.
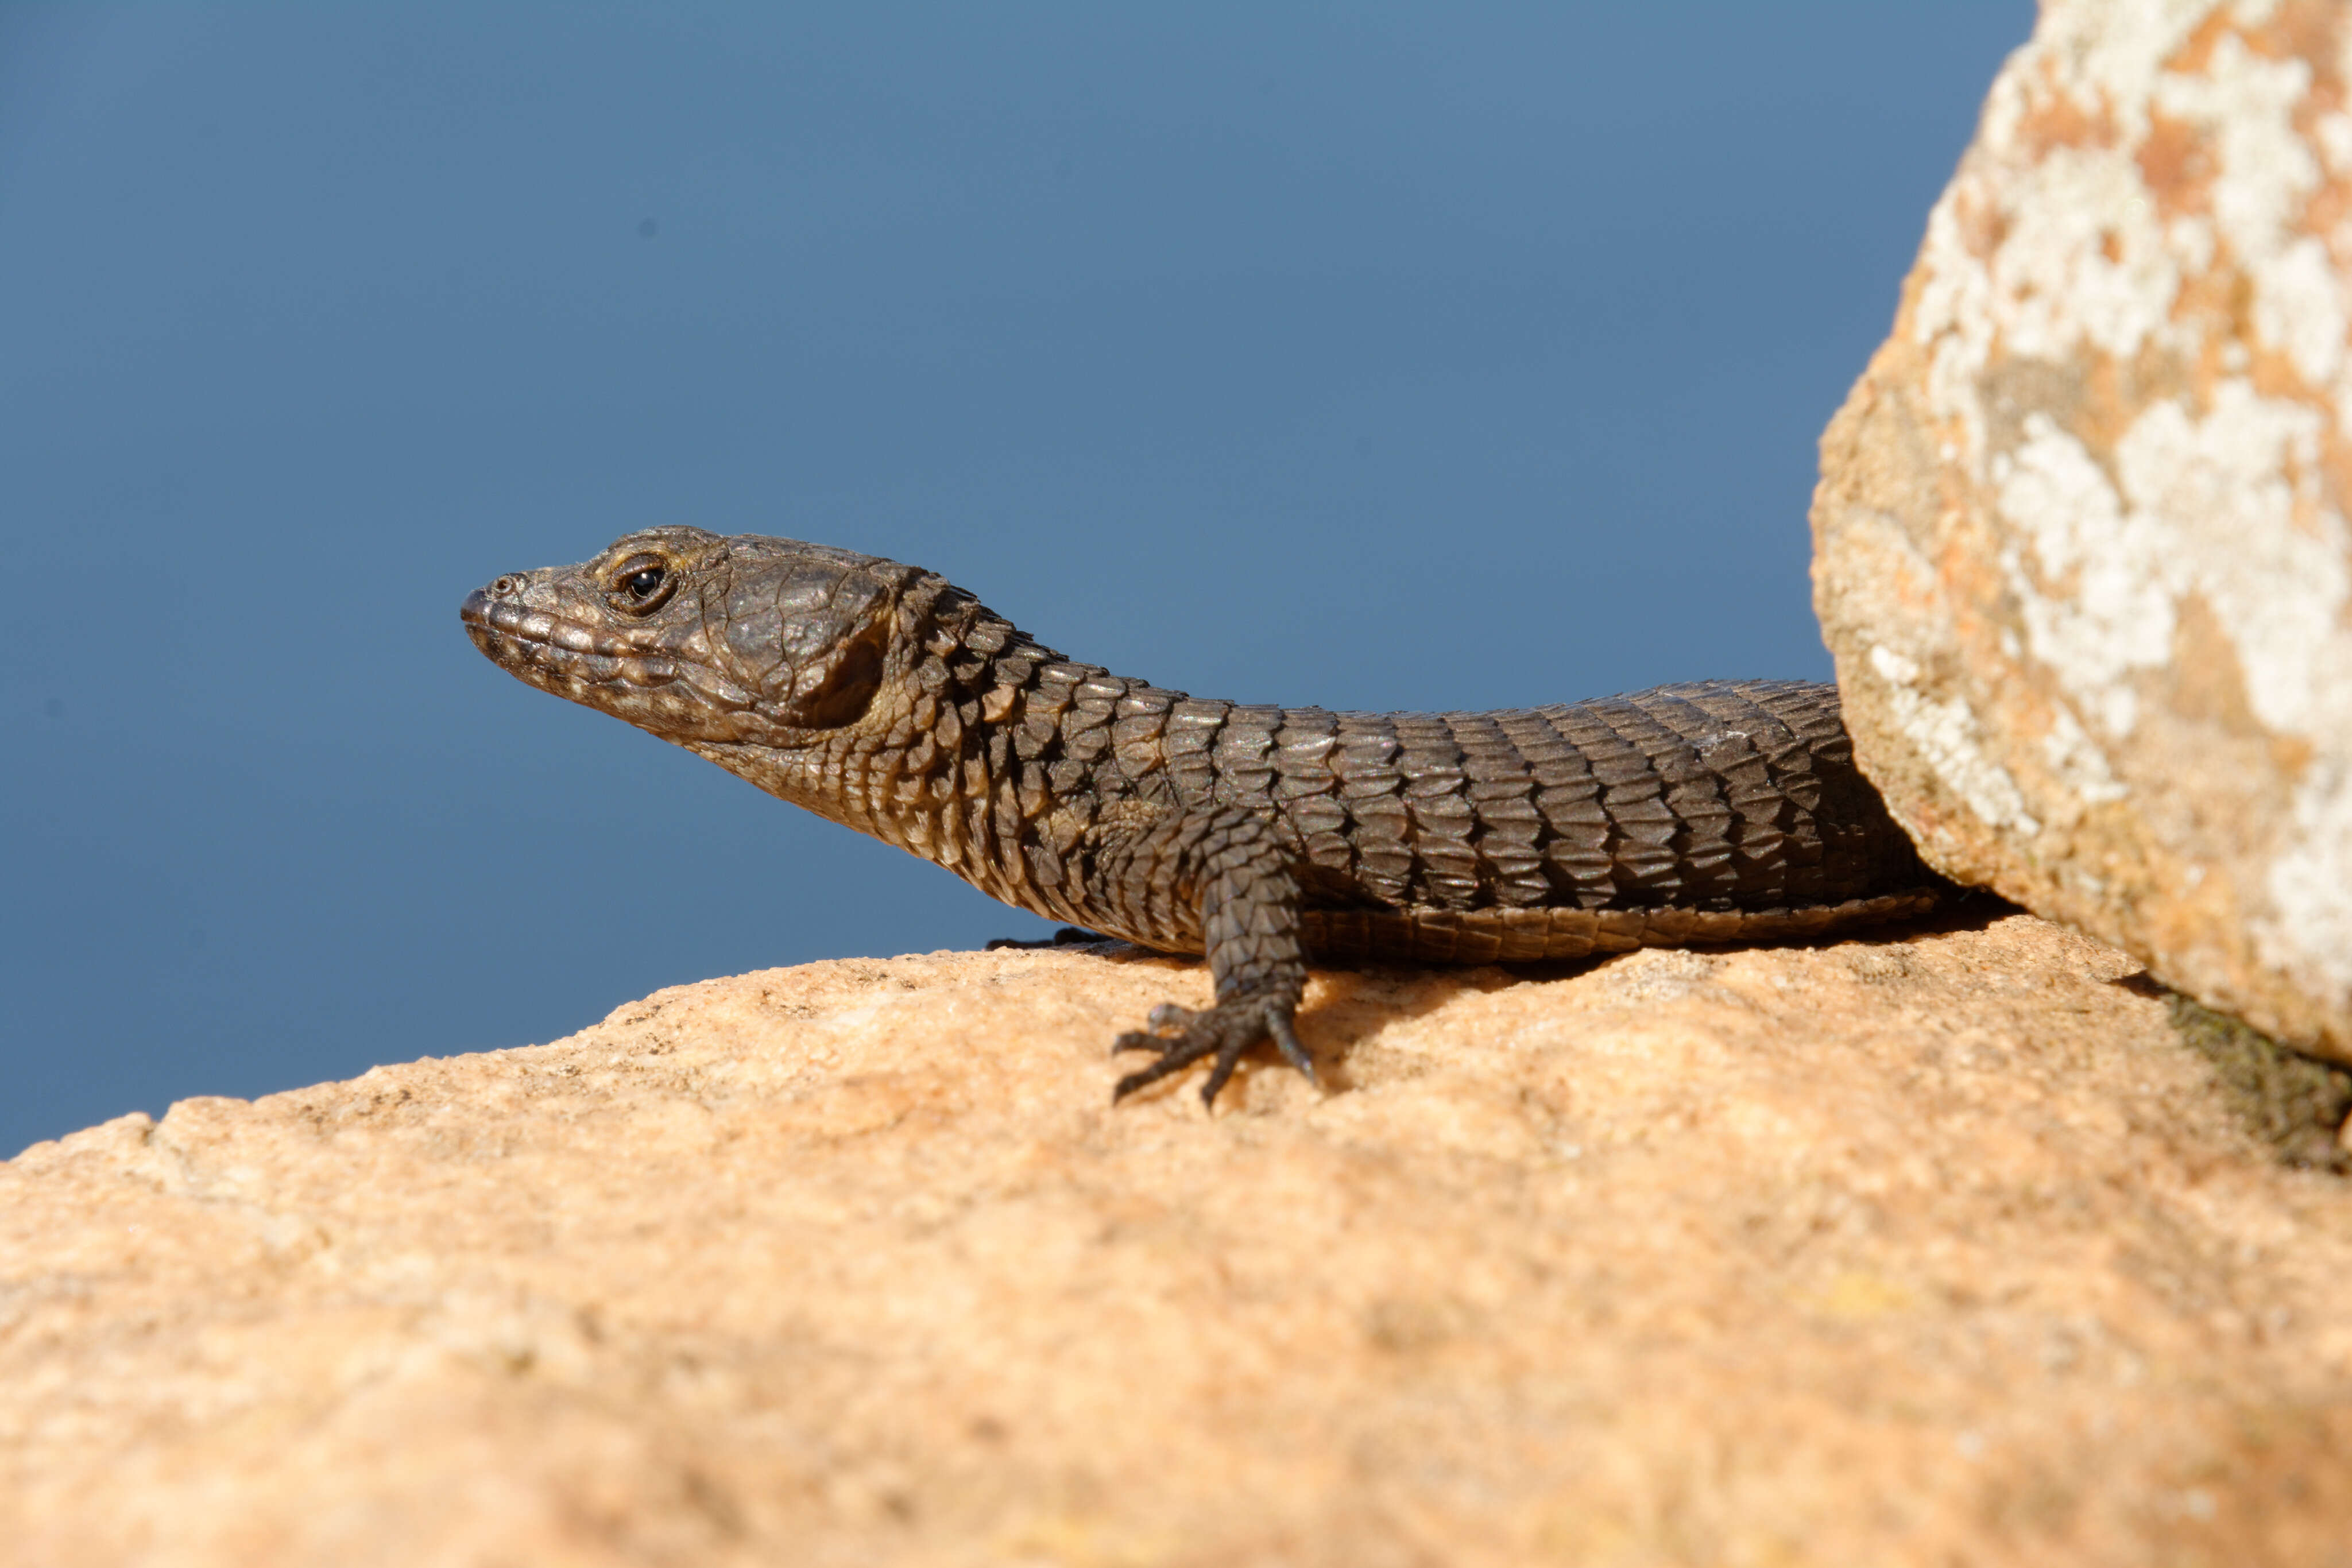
point(510, 583)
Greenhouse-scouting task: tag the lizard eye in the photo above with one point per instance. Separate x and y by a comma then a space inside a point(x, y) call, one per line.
point(641, 585)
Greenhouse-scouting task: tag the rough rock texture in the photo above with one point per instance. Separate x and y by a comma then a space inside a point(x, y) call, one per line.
point(2081, 547)
point(1936, 1248)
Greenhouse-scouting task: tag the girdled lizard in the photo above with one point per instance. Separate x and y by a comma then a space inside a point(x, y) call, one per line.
point(883, 697)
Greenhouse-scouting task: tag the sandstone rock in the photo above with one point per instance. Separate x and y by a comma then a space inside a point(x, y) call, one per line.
point(1932, 1249)
point(2081, 546)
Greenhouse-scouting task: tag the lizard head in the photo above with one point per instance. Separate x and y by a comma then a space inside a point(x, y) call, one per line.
point(700, 638)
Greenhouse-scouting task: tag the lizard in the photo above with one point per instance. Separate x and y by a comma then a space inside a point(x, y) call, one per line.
point(885, 698)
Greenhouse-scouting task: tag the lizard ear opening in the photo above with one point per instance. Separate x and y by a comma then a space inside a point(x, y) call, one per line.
point(840, 689)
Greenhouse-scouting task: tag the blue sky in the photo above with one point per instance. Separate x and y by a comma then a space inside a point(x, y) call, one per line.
point(1364, 355)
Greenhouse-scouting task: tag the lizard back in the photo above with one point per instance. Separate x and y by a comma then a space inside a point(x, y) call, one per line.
point(1711, 811)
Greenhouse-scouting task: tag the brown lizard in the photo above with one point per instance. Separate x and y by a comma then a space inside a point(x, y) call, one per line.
point(883, 697)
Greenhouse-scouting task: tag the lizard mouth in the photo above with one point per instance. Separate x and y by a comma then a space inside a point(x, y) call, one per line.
point(580, 662)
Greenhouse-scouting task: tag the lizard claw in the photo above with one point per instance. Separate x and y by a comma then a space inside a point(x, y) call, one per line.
point(1224, 1031)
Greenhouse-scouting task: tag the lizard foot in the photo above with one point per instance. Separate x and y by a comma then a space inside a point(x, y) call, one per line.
point(1224, 1031)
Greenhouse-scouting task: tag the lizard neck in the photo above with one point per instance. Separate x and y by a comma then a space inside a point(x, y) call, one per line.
point(970, 756)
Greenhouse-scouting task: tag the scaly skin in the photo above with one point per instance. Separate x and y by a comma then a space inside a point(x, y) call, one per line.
point(880, 696)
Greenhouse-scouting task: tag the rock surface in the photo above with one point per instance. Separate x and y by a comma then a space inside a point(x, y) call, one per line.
point(2081, 548)
point(1938, 1248)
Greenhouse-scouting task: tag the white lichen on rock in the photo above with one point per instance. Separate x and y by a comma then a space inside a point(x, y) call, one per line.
point(1946, 735)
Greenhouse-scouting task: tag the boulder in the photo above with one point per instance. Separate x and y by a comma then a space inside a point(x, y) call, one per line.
point(2081, 548)
point(1937, 1247)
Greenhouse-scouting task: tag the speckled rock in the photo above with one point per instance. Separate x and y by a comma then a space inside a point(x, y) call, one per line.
point(2081, 546)
point(1934, 1249)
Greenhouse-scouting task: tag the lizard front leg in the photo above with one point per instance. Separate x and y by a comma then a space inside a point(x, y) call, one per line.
point(1224, 874)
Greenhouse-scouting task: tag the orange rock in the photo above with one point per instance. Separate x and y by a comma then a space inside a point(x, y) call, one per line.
point(1932, 1249)
point(2081, 547)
